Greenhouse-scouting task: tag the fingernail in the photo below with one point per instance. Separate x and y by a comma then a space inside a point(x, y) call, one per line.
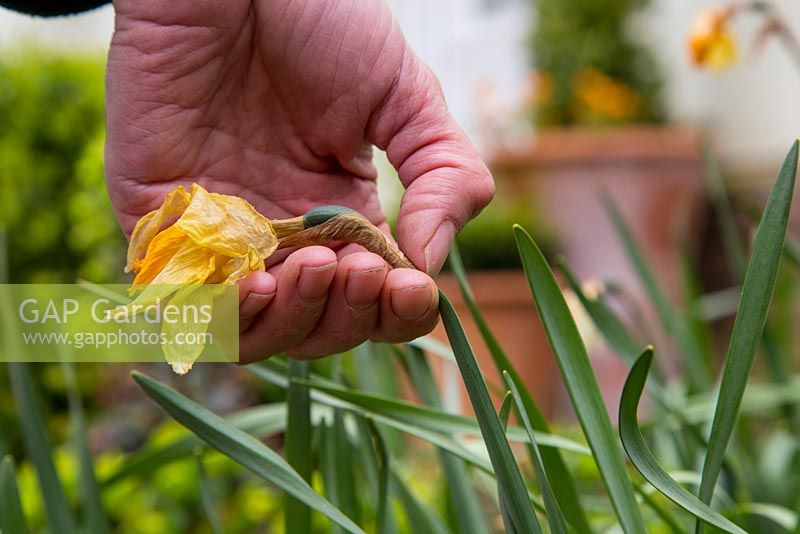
point(314, 282)
point(363, 287)
point(411, 303)
point(438, 247)
point(254, 303)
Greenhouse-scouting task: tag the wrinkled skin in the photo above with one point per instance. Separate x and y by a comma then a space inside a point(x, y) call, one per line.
point(279, 101)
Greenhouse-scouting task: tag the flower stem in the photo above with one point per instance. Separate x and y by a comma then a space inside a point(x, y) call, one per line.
point(322, 226)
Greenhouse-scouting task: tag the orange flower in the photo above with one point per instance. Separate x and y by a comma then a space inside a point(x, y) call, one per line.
point(602, 99)
point(711, 42)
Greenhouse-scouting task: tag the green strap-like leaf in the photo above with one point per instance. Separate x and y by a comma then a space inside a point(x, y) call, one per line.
point(38, 446)
point(505, 409)
point(435, 438)
point(613, 332)
point(12, 519)
point(643, 459)
point(468, 512)
point(430, 419)
point(660, 511)
point(298, 446)
point(343, 468)
point(607, 323)
point(418, 514)
point(260, 421)
point(374, 455)
point(555, 517)
point(580, 381)
point(509, 480)
point(269, 372)
point(783, 517)
point(726, 220)
point(206, 497)
point(240, 447)
point(734, 251)
point(34, 432)
point(759, 283)
point(433, 346)
point(562, 481)
point(337, 464)
point(327, 466)
point(95, 519)
point(676, 325)
point(617, 337)
point(384, 525)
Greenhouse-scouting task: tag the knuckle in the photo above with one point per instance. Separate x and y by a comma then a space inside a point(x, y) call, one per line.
point(483, 190)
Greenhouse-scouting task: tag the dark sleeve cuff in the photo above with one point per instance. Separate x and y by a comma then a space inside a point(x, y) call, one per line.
point(51, 8)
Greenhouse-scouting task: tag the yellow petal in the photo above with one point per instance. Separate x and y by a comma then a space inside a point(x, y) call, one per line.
point(161, 250)
point(227, 225)
point(224, 266)
point(190, 265)
point(182, 356)
point(231, 270)
point(149, 225)
point(249, 265)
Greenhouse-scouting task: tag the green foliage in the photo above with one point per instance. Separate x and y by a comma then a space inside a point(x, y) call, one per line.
point(54, 207)
point(11, 515)
point(518, 515)
point(240, 447)
point(298, 446)
point(580, 380)
point(759, 283)
point(590, 67)
point(339, 423)
point(486, 244)
point(636, 447)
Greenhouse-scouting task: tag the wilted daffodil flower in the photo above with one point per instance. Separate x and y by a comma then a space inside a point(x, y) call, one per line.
point(198, 237)
point(216, 239)
point(711, 42)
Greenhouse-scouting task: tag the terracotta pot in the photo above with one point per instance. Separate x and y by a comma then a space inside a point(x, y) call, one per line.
point(654, 175)
point(507, 305)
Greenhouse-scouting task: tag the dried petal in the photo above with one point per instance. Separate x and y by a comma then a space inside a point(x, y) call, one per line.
point(161, 250)
point(182, 356)
point(231, 270)
point(216, 239)
point(148, 226)
point(190, 265)
point(227, 225)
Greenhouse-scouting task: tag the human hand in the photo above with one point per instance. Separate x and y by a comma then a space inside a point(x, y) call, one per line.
point(279, 102)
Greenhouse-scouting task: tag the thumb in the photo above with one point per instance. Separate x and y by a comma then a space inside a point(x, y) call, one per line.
point(446, 181)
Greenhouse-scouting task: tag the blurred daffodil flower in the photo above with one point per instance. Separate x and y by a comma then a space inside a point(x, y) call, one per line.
point(711, 42)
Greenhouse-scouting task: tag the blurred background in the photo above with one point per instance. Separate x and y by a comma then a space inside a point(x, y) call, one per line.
point(567, 101)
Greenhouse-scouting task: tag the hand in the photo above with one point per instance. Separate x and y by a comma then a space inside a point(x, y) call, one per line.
point(280, 101)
